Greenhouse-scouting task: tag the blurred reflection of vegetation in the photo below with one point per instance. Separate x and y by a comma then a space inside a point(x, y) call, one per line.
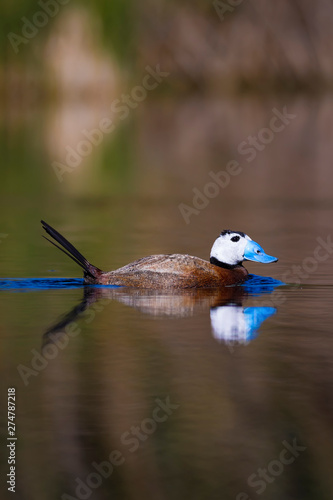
point(279, 46)
point(118, 27)
point(115, 18)
point(23, 169)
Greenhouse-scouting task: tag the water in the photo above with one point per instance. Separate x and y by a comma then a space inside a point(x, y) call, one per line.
point(190, 395)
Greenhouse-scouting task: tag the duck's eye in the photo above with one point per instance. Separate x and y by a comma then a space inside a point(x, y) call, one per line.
point(235, 238)
point(257, 251)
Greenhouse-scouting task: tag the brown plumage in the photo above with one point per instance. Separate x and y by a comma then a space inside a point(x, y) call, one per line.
point(175, 270)
point(154, 272)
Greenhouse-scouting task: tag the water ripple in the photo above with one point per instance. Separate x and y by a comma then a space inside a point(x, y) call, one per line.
point(33, 284)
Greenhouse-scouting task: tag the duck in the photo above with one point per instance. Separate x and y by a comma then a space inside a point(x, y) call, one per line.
point(174, 271)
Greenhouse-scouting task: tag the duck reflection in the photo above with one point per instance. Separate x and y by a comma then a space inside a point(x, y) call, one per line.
point(234, 324)
point(93, 399)
point(231, 323)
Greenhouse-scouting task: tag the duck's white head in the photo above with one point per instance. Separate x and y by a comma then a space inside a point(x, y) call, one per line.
point(232, 247)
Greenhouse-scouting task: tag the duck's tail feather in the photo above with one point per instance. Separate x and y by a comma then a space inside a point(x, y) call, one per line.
point(89, 270)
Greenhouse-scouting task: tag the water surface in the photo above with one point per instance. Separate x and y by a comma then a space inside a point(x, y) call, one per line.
point(197, 391)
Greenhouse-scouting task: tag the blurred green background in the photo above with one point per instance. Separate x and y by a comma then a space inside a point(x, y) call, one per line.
point(228, 66)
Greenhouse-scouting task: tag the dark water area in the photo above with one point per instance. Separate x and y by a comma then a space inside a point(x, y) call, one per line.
point(204, 394)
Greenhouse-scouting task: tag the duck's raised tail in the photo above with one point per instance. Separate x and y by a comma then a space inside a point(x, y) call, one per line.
point(91, 273)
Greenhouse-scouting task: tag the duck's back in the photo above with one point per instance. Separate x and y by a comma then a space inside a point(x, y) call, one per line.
point(173, 271)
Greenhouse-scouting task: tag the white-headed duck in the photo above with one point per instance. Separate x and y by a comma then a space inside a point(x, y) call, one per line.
point(230, 249)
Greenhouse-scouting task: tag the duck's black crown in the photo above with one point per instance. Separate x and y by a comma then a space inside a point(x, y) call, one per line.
point(229, 231)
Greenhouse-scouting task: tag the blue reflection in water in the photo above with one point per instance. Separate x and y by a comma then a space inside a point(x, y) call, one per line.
point(230, 321)
point(257, 285)
point(33, 284)
point(236, 324)
point(233, 324)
